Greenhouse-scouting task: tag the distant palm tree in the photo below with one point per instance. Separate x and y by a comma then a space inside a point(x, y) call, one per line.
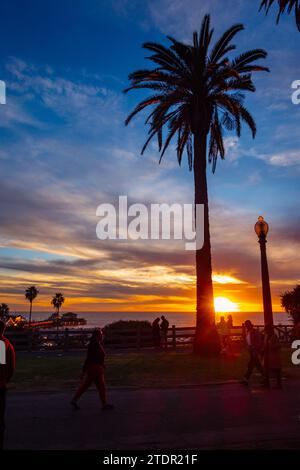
point(30, 294)
point(4, 311)
point(197, 93)
point(284, 5)
point(57, 301)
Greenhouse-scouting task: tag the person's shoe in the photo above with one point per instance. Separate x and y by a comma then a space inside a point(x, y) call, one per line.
point(245, 381)
point(108, 407)
point(75, 405)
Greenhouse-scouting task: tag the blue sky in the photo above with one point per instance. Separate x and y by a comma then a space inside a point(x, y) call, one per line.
point(64, 150)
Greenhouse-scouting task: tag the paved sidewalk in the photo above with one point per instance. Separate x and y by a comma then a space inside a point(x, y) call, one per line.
point(211, 416)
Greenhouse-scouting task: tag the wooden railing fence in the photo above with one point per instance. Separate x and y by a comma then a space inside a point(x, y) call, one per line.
point(138, 338)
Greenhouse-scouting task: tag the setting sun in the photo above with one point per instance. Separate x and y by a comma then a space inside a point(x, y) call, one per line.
point(223, 305)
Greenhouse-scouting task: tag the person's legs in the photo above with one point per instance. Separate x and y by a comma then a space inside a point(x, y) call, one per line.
point(278, 378)
point(100, 384)
point(267, 376)
point(85, 384)
point(164, 340)
point(2, 416)
point(265, 372)
point(250, 367)
point(258, 366)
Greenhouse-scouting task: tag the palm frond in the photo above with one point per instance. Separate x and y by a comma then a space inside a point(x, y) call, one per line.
point(205, 34)
point(283, 5)
point(216, 145)
point(220, 48)
point(243, 63)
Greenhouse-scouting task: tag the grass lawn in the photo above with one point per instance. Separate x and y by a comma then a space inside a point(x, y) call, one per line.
point(53, 370)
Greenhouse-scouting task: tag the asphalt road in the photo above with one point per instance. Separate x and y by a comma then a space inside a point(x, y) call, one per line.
point(212, 416)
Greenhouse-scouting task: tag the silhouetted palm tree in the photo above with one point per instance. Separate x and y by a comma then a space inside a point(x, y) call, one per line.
point(4, 311)
point(30, 294)
point(284, 5)
point(57, 301)
point(290, 301)
point(197, 93)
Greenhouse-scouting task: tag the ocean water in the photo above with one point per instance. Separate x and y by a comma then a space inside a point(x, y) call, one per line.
point(179, 319)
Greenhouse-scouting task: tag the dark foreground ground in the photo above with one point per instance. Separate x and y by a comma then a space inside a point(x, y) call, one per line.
point(53, 370)
point(211, 416)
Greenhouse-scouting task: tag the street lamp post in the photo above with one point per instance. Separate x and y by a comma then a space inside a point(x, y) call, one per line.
point(261, 229)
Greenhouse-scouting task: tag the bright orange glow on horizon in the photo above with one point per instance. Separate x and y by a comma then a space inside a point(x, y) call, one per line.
point(226, 279)
point(156, 288)
point(225, 305)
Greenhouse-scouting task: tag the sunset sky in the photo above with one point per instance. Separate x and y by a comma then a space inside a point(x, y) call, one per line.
point(64, 150)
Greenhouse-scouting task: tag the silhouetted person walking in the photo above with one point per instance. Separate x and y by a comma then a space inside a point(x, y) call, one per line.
point(7, 367)
point(255, 347)
point(272, 357)
point(164, 326)
point(93, 371)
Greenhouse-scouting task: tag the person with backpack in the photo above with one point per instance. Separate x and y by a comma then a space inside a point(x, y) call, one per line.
point(255, 348)
point(7, 367)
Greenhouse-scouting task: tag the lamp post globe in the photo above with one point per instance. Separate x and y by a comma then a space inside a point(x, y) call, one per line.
point(261, 227)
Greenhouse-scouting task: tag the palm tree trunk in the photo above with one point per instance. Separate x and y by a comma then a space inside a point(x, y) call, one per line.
point(30, 311)
point(57, 311)
point(206, 338)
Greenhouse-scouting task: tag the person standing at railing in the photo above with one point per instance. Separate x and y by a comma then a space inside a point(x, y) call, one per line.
point(7, 367)
point(156, 332)
point(93, 371)
point(229, 323)
point(164, 327)
point(223, 332)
